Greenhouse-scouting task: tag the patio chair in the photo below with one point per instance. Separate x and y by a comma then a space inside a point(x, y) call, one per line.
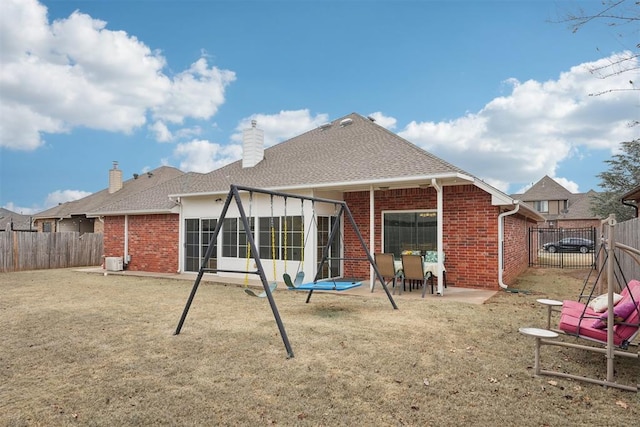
point(413, 270)
point(387, 269)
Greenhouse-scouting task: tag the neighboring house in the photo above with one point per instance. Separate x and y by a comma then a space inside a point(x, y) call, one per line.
point(11, 221)
point(560, 207)
point(72, 216)
point(402, 198)
point(632, 198)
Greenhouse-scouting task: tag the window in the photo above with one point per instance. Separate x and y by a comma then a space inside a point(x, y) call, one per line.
point(46, 227)
point(332, 267)
point(234, 238)
point(269, 237)
point(230, 237)
point(293, 238)
point(198, 233)
point(415, 231)
point(541, 206)
point(274, 241)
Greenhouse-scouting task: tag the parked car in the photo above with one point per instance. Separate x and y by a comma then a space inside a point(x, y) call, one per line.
point(570, 244)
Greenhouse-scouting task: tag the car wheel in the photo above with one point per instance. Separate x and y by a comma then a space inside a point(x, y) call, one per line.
point(584, 249)
point(552, 249)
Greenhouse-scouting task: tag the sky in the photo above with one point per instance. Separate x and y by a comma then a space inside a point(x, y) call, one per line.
point(501, 89)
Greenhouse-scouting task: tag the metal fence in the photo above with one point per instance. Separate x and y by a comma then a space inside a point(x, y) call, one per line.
point(563, 247)
point(33, 251)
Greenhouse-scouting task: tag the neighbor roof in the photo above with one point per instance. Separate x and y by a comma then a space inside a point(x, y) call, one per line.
point(130, 188)
point(545, 189)
point(10, 220)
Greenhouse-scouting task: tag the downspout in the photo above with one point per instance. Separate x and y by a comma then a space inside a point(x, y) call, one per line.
point(126, 258)
point(440, 233)
point(372, 235)
point(501, 241)
point(181, 237)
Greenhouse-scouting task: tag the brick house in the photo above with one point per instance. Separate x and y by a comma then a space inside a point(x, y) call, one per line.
point(402, 198)
point(75, 215)
point(559, 207)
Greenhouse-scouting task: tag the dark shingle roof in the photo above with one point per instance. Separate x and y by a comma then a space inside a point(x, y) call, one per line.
point(546, 189)
point(131, 188)
point(361, 151)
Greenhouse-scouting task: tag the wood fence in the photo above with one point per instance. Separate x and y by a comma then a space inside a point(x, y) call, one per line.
point(628, 233)
point(34, 251)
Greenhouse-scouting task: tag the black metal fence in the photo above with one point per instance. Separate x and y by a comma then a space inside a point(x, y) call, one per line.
point(563, 247)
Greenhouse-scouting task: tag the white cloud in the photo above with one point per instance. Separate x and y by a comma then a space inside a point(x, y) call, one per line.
point(526, 134)
point(62, 196)
point(76, 72)
point(204, 156)
point(386, 122)
point(281, 126)
point(161, 131)
point(52, 199)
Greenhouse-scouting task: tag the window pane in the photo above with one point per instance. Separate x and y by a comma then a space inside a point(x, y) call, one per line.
point(230, 237)
point(409, 231)
point(269, 236)
point(292, 244)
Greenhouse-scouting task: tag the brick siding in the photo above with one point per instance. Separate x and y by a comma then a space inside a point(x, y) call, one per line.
point(153, 241)
point(470, 233)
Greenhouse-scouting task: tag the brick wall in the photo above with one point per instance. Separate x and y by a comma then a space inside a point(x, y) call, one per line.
point(470, 232)
point(153, 241)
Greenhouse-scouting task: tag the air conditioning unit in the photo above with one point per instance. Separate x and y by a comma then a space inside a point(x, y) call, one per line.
point(113, 263)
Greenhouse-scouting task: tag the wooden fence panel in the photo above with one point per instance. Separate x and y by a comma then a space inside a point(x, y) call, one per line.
point(628, 233)
point(35, 251)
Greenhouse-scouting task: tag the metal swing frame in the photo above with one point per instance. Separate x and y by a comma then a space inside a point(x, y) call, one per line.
point(234, 195)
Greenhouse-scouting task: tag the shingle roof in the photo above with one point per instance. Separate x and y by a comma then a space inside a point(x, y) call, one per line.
point(579, 204)
point(546, 189)
point(10, 220)
point(361, 151)
point(130, 188)
point(153, 200)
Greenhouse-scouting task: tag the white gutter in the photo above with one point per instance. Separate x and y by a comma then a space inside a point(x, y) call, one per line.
point(440, 234)
point(337, 185)
point(372, 238)
point(181, 233)
point(501, 241)
point(126, 240)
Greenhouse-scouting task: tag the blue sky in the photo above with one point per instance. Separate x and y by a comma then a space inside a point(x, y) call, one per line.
point(498, 88)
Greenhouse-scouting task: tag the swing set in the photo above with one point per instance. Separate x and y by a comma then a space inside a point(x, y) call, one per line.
point(612, 331)
point(252, 252)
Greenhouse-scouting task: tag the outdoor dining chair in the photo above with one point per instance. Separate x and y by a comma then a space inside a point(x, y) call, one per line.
point(387, 269)
point(413, 270)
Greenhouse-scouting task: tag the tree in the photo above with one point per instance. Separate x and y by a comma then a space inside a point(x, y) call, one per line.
point(622, 16)
point(623, 175)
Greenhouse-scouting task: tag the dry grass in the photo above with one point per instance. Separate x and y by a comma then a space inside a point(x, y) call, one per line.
point(83, 349)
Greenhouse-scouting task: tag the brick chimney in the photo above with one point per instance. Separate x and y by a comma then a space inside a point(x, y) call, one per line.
point(115, 178)
point(252, 146)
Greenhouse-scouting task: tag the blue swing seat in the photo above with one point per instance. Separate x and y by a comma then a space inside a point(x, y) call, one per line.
point(328, 285)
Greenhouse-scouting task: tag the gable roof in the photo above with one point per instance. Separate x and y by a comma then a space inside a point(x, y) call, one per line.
point(546, 189)
point(347, 153)
point(10, 220)
point(151, 200)
point(130, 188)
point(578, 204)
